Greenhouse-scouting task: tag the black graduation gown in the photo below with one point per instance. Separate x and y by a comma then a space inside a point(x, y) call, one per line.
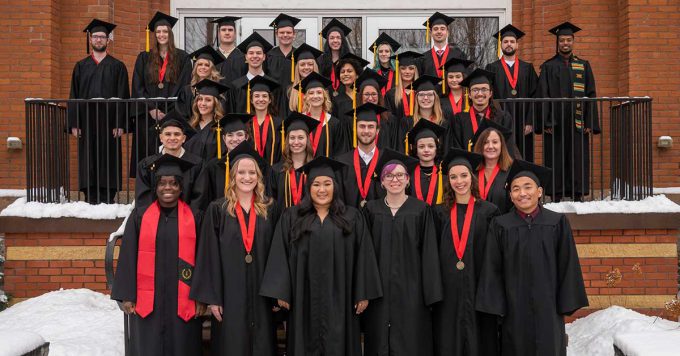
point(278, 65)
point(386, 73)
point(233, 66)
point(277, 185)
point(406, 124)
point(145, 141)
point(272, 148)
point(99, 153)
point(396, 108)
point(461, 132)
point(145, 183)
point(350, 188)
point(405, 244)
point(238, 96)
point(342, 103)
point(222, 277)
point(185, 100)
point(447, 109)
point(322, 275)
point(209, 184)
point(338, 144)
point(204, 143)
point(325, 63)
point(425, 180)
point(532, 278)
point(427, 65)
point(567, 146)
point(498, 195)
point(459, 329)
point(522, 113)
point(162, 332)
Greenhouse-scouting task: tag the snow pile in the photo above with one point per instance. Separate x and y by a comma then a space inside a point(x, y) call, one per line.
point(662, 343)
point(14, 343)
point(653, 204)
point(594, 334)
point(12, 192)
point(669, 190)
point(35, 210)
point(73, 321)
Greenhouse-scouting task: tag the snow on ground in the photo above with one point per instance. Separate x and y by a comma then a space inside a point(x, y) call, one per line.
point(12, 192)
point(669, 190)
point(653, 204)
point(74, 321)
point(660, 343)
point(594, 334)
point(35, 210)
point(19, 342)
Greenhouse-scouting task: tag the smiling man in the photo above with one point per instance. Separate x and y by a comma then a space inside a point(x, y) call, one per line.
point(234, 64)
point(531, 275)
point(278, 63)
point(255, 48)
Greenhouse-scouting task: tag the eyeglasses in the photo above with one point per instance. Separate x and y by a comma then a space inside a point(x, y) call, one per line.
point(370, 95)
point(399, 176)
point(99, 37)
point(426, 95)
point(480, 90)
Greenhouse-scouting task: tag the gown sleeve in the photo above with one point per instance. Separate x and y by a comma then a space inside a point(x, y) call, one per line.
point(571, 293)
point(206, 286)
point(592, 118)
point(367, 285)
point(491, 287)
point(125, 281)
point(432, 281)
point(276, 282)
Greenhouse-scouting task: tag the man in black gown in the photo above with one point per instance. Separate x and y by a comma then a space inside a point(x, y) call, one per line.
point(98, 126)
point(279, 59)
point(568, 125)
point(234, 64)
point(441, 51)
point(531, 275)
point(514, 78)
point(255, 48)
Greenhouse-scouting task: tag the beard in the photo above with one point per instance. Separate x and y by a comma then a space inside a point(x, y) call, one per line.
point(99, 48)
point(365, 140)
point(510, 52)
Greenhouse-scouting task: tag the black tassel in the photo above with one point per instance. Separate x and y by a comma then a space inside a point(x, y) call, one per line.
point(87, 42)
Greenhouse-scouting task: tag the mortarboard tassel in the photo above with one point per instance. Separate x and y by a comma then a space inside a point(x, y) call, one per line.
point(87, 42)
point(320, 42)
point(226, 176)
point(375, 57)
point(469, 145)
point(467, 104)
point(283, 137)
point(427, 32)
point(218, 138)
point(271, 154)
point(439, 184)
point(248, 99)
point(299, 96)
point(286, 189)
point(406, 144)
point(410, 101)
point(499, 44)
point(328, 141)
point(147, 38)
point(396, 69)
point(443, 80)
point(292, 67)
point(354, 129)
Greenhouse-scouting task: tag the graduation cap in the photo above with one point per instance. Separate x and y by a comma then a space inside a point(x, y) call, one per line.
point(357, 62)
point(384, 39)
point(97, 25)
point(508, 30)
point(372, 78)
point(456, 65)
point(169, 165)
point(478, 76)
point(564, 29)
point(335, 26)
point(255, 40)
point(210, 87)
point(174, 119)
point(364, 112)
point(209, 53)
point(390, 156)
point(234, 122)
point(424, 129)
point(539, 174)
point(284, 20)
point(159, 19)
point(321, 166)
point(408, 58)
point(306, 51)
point(315, 80)
point(259, 83)
point(490, 124)
point(298, 121)
point(436, 19)
point(425, 82)
point(243, 150)
point(226, 21)
point(456, 157)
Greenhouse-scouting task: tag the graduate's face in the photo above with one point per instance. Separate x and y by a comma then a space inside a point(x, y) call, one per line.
point(440, 33)
point(525, 193)
point(261, 100)
point(384, 53)
point(285, 35)
point(396, 181)
point(99, 41)
point(233, 139)
point(168, 191)
point(172, 138)
point(335, 40)
point(305, 67)
point(492, 146)
point(203, 68)
point(460, 179)
point(297, 141)
point(321, 191)
point(453, 79)
point(426, 99)
point(315, 97)
point(347, 74)
point(205, 104)
point(370, 95)
point(227, 35)
point(255, 57)
point(509, 45)
point(162, 35)
point(367, 131)
point(481, 94)
point(565, 44)
point(426, 149)
point(407, 73)
point(245, 176)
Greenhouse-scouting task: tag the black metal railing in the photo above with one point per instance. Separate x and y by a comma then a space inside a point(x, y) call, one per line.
point(100, 139)
point(598, 148)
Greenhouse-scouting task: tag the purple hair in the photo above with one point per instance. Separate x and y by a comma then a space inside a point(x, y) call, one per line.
point(389, 168)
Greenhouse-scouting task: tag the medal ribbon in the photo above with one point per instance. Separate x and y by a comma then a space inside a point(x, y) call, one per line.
point(261, 142)
point(390, 76)
point(460, 242)
point(435, 59)
point(295, 187)
point(247, 233)
point(430, 189)
point(161, 72)
point(512, 79)
point(485, 188)
point(363, 188)
point(457, 107)
point(316, 136)
point(404, 103)
point(473, 118)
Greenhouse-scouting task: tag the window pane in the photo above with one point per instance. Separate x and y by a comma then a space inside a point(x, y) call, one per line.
point(354, 38)
point(198, 32)
point(473, 36)
point(410, 39)
point(268, 35)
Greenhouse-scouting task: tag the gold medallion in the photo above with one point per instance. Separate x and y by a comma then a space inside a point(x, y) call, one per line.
point(460, 265)
point(513, 92)
point(161, 85)
point(249, 258)
point(186, 274)
point(363, 202)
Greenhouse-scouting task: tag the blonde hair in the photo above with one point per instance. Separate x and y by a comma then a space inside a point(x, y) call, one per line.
point(399, 87)
point(287, 155)
point(292, 90)
point(327, 104)
point(218, 111)
point(215, 75)
point(261, 203)
point(436, 110)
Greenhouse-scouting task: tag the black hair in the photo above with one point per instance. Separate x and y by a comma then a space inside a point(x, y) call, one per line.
point(306, 213)
point(157, 179)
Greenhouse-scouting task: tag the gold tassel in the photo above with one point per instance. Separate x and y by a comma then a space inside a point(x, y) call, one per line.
point(470, 145)
point(292, 67)
point(320, 41)
point(411, 101)
point(354, 129)
point(286, 189)
point(299, 96)
point(354, 95)
point(467, 103)
point(283, 138)
point(427, 32)
point(219, 137)
point(226, 176)
point(396, 70)
point(375, 57)
point(443, 81)
point(328, 140)
point(248, 99)
point(271, 154)
point(499, 45)
point(406, 144)
point(147, 38)
point(439, 184)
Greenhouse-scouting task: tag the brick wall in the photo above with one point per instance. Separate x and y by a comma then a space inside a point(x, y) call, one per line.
point(632, 45)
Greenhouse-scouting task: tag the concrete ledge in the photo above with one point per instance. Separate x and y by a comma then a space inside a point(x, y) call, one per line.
point(624, 221)
point(13, 224)
point(628, 301)
point(57, 253)
point(611, 250)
